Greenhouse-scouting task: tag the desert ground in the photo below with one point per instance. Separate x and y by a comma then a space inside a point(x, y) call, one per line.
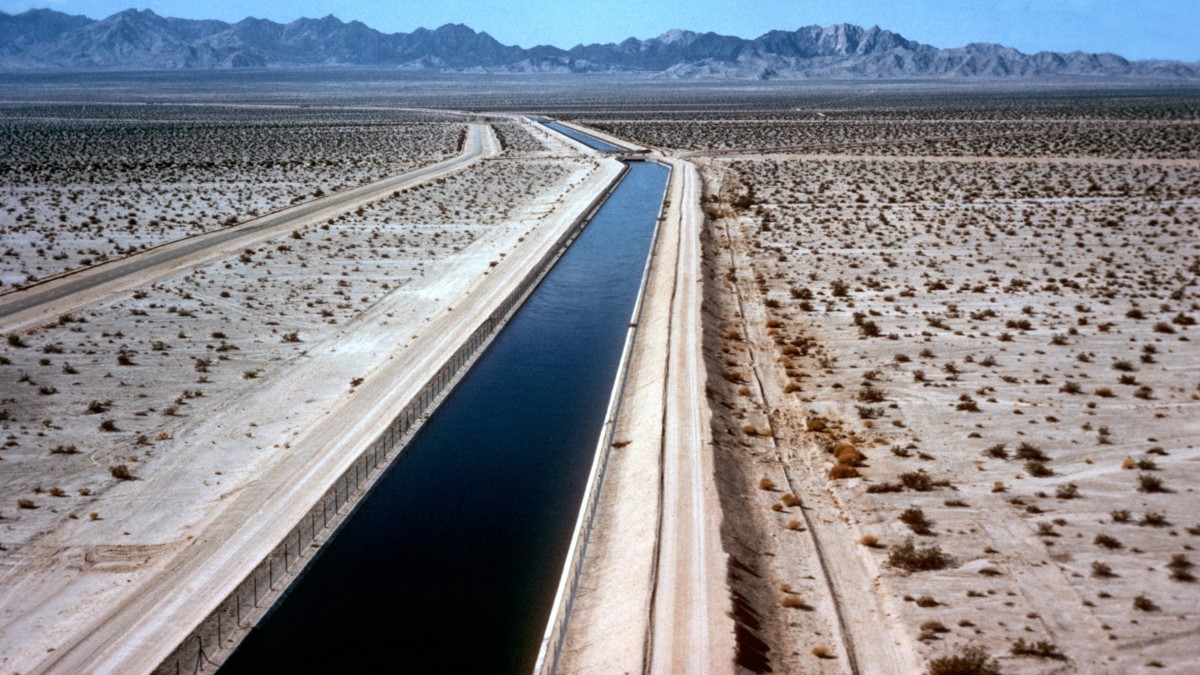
point(131, 423)
point(914, 388)
point(954, 390)
point(87, 183)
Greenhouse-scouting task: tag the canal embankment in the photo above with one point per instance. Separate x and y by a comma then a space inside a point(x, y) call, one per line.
point(651, 562)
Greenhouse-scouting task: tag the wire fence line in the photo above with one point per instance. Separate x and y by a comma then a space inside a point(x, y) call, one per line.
point(217, 636)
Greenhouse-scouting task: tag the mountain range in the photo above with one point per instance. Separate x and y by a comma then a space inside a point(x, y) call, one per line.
point(45, 40)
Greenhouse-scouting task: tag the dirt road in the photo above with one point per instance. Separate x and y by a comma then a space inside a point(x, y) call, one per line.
point(692, 632)
point(71, 292)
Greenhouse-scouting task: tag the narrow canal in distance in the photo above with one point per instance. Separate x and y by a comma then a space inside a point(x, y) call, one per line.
point(452, 562)
point(590, 141)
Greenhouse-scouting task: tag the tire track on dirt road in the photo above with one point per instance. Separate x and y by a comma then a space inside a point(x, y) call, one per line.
point(691, 631)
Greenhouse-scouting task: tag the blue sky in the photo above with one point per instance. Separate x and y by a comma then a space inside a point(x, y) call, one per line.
point(1137, 29)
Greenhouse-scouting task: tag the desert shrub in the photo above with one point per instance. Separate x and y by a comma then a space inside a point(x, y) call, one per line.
point(1067, 491)
point(840, 471)
point(917, 521)
point(870, 394)
point(1150, 483)
point(908, 556)
point(931, 629)
point(1144, 604)
point(1181, 567)
point(997, 451)
point(972, 660)
point(848, 454)
point(1029, 451)
point(1120, 515)
point(1153, 519)
point(1043, 649)
point(917, 481)
point(97, 407)
point(1107, 541)
point(121, 472)
point(1038, 469)
point(1101, 570)
point(790, 500)
point(765, 483)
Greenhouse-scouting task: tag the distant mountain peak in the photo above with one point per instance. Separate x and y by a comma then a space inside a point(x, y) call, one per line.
point(675, 35)
point(44, 39)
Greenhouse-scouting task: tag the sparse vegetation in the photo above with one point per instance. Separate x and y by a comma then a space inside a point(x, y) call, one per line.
point(972, 660)
point(1042, 649)
point(913, 558)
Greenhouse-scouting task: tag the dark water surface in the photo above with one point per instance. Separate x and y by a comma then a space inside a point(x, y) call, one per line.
point(452, 562)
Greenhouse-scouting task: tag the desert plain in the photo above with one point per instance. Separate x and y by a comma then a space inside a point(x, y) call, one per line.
point(945, 343)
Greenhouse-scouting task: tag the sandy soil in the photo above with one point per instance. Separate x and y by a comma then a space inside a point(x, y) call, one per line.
point(1001, 350)
point(953, 392)
point(81, 184)
point(49, 300)
point(274, 348)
